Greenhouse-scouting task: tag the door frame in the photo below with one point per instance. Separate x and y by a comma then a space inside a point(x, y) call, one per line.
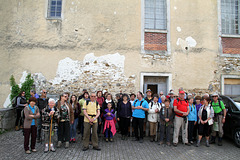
point(156, 74)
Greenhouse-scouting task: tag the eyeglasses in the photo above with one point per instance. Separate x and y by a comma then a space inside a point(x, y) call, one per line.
point(214, 96)
point(44, 92)
point(160, 94)
point(65, 96)
point(92, 96)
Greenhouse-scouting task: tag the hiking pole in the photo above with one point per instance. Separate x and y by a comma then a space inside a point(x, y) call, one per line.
point(50, 133)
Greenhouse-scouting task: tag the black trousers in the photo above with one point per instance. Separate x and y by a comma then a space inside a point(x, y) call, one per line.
point(190, 130)
point(195, 131)
point(19, 110)
point(80, 124)
point(138, 124)
point(64, 131)
point(124, 124)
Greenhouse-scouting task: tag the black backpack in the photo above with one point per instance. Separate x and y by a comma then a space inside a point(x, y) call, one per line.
point(136, 102)
point(219, 102)
point(157, 103)
point(14, 104)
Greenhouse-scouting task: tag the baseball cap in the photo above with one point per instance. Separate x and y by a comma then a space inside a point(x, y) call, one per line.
point(181, 92)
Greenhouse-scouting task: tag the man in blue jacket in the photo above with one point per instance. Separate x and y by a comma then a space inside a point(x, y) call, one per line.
point(139, 107)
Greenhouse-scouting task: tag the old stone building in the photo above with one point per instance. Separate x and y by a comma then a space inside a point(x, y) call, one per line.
point(121, 45)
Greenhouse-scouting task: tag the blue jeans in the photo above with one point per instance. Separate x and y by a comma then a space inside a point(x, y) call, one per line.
point(73, 128)
point(108, 130)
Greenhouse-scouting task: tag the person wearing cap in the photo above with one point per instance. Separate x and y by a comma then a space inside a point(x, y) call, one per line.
point(154, 108)
point(219, 118)
point(166, 120)
point(50, 111)
point(34, 94)
point(160, 95)
point(171, 98)
point(181, 109)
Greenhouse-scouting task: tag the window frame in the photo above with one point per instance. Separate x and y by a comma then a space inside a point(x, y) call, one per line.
point(48, 10)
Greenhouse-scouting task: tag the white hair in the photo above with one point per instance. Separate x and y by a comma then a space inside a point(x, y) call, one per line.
point(51, 100)
point(163, 96)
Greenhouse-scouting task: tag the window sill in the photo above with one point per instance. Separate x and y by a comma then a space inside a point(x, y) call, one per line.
point(155, 30)
point(53, 18)
point(230, 36)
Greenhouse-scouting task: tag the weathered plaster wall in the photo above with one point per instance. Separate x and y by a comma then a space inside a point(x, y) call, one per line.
point(30, 42)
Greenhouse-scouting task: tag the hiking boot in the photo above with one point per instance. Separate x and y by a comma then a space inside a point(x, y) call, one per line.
point(38, 140)
point(34, 150)
point(187, 144)
point(106, 139)
point(141, 140)
point(85, 148)
point(67, 145)
point(207, 143)
point(198, 143)
point(111, 140)
point(151, 139)
point(28, 152)
point(219, 141)
point(97, 148)
point(168, 144)
point(175, 144)
point(52, 148)
point(16, 128)
point(59, 144)
point(212, 141)
point(46, 148)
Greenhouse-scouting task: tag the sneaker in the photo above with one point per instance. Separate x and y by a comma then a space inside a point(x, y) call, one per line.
point(175, 144)
point(85, 148)
point(74, 140)
point(97, 148)
point(198, 143)
point(106, 139)
point(52, 148)
point(34, 150)
point(59, 144)
point(207, 144)
point(111, 140)
point(187, 144)
point(67, 145)
point(168, 144)
point(191, 142)
point(160, 143)
point(16, 128)
point(141, 141)
point(71, 140)
point(28, 152)
point(46, 148)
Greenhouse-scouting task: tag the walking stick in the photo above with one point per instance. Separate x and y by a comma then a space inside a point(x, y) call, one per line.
point(50, 133)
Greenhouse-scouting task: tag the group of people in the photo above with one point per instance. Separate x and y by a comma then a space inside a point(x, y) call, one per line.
point(96, 113)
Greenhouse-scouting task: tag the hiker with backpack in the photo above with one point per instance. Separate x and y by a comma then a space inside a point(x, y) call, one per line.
point(181, 109)
point(192, 120)
point(91, 110)
point(20, 103)
point(139, 107)
point(124, 115)
point(31, 114)
point(66, 118)
point(205, 114)
point(154, 108)
point(219, 119)
point(81, 117)
point(50, 116)
point(42, 102)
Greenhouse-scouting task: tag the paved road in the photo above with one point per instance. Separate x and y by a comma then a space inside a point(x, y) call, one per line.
point(11, 147)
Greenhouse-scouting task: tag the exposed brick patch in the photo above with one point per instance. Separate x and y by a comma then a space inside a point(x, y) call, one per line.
point(155, 41)
point(231, 45)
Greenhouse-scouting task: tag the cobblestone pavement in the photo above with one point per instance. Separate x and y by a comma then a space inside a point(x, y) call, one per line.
point(11, 147)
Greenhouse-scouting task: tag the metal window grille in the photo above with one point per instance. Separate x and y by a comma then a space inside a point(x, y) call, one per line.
point(230, 16)
point(155, 14)
point(54, 8)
